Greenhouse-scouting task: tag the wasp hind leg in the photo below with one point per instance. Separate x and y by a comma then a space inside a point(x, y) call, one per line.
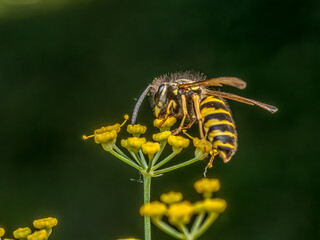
point(196, 102)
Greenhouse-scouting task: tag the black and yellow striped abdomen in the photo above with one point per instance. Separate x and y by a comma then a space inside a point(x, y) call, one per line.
point(219, 126)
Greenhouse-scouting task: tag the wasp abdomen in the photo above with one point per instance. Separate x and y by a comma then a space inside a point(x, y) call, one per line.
point(219, 126)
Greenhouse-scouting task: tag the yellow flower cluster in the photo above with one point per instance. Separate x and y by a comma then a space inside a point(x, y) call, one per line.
point(180, 213)
point(217, 205)
point(178, 143)
point(44, 225)
point(22, 233)
point(49, 222)
point(38, 235)
point(171, 197)
point(136, 130)
point(150, 148)
point(161, 137)
point(207, 186)
point(164, 125)
point(106, 136)
point(154, 210)
point(133, 144)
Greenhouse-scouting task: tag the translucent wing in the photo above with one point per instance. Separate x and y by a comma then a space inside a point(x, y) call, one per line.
point(217, 82)
point(234, 97)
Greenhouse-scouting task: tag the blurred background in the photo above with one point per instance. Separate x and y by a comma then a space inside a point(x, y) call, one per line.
point(69, 67)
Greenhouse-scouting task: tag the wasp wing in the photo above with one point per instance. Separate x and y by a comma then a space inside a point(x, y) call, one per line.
point(234, 97)
point(217, 82)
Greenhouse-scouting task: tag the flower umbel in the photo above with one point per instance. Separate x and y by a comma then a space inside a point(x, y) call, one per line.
point(180, 213)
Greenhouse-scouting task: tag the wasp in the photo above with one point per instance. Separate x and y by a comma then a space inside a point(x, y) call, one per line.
point(188, 96)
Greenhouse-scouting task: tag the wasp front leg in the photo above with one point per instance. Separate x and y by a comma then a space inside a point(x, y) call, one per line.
point(168, 111)
point(185, 113)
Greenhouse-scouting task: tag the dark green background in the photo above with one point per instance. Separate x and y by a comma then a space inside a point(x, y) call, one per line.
point(66, 70)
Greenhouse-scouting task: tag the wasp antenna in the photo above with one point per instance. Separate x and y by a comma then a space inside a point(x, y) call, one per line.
point(138, 104)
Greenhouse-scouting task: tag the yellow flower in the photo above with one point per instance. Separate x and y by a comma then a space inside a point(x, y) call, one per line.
point(207, 186)
point(133, 144)
point(21, 233)
point(107, 135)
point(150, 148)
point(161, 137)
point(38, 235)
point(136, 130)
point(178, 143)
point(2, 232)
point(180, 213)
point(49, 222)
point(164, 125)
point(154, 210)
point(171, 197)
point(203, 148)
point(216, 205)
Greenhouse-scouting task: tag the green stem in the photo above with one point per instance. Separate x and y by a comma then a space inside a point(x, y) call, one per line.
point(185, 232)
point(197, 223)
point(168, 229)
point(164, 161)
point(176, 166)
point(119, 151)
point(143, 160)
point(209, 220)
point(146, 190)
point(156, 157)
point(138, 160)
point(48, 230)
point(126, 160)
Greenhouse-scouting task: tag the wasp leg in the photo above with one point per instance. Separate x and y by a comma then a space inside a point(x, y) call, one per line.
point(214, 152)
point(167, 113)
point(189, 124)
point(196, 102)
point(185, 113)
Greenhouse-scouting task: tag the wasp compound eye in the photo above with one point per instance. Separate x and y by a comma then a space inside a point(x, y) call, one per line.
point(158, 93)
